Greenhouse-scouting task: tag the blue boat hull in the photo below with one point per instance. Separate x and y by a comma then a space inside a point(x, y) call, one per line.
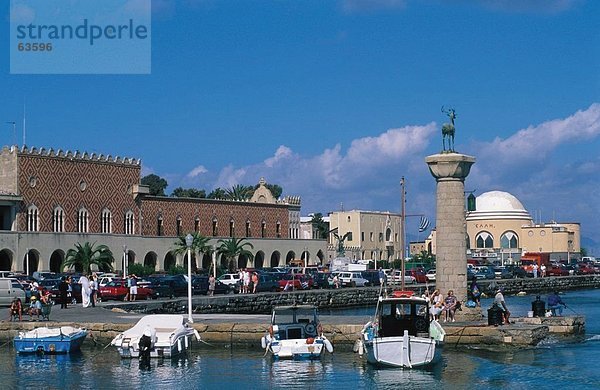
point(50, 345)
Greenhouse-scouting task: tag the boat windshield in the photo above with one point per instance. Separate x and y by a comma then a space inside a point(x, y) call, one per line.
point(294, 315)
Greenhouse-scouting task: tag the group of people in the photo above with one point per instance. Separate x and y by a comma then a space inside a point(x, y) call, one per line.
point(132, 288)
point(442, 307)
point(37, 302)
point(249, 281)
point(539, 270)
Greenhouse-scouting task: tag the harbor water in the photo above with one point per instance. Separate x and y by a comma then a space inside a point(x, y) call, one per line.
point(556, 363)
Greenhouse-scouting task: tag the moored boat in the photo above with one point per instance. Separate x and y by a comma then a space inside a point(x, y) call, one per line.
point(169, 335)
point(402, 333)
point(296, 333)
point(64, 339)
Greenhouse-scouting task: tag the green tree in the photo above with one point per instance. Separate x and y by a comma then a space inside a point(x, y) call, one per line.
point(239, 192)
point(199, 245)
point(84, 256)
point(320, 225)
point(140, 269)
point(217, 193)
point(156, 184)
point(583, 252)
point(181, 192)
point(233, 248)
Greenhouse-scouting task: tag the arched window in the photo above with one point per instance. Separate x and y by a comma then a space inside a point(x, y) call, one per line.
point(248, 228)
point(509, 240)
point(388, 234)
point(178, 226)
point(278, 229)
point(484, 240)
point(197, 224)
point(82, 221)
point(215, 227)
point(231, 228)
point(129, 222)
point(106, 221)
point(58, 220)
point(263, 228)
point(159, 225)
point(468, 242)
point(32, 219)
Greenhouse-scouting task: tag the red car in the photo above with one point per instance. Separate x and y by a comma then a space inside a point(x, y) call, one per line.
point(117, 289)
point(557, 270)
point(585, 269)
point(299, 282)
point(419, 275)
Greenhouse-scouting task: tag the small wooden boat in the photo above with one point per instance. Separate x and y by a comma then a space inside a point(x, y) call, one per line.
point(402, 334)
point(296, 333)
point(170, 335)
point(64, 339)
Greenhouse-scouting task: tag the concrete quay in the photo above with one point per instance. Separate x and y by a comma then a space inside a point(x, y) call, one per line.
point(245, 330)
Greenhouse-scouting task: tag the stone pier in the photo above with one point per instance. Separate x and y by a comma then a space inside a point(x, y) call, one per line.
point(450, 170)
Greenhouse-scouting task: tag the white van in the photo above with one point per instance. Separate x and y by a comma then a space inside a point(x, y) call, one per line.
point(9, 290)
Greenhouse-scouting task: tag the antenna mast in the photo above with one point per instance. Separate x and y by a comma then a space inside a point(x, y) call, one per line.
point(402, 223)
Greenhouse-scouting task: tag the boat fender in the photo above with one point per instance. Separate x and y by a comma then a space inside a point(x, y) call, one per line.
point(310, 340)
point(263, 342)
point(361, 347)
point(356, 347)
point(187, 342)
point(328, 345)
point(179, 345)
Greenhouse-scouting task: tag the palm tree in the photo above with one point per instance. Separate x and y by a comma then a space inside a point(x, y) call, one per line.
point(232, 248)
point(83, 256)
point(239, 192)
point(199, 244)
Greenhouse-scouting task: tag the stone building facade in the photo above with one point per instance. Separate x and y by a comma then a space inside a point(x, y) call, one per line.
point(50, 200)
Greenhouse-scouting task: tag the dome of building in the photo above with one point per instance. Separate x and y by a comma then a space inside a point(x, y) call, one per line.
point(498, 205)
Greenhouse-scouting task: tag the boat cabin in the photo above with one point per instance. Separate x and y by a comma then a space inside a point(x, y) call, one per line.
point(294, 322)
point(398, 314)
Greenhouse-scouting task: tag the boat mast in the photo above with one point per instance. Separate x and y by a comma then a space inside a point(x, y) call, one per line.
point(402, 223)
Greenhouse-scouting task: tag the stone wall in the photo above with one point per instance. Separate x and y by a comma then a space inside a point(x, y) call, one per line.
point(343, 298)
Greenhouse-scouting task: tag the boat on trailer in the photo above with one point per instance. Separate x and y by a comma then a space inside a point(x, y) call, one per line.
point(402, 333)
point(170, 335)
point(64, 339)
point(296, 333)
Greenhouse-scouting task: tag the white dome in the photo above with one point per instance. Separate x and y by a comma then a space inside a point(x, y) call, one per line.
point(498, 201)
point(498, 205)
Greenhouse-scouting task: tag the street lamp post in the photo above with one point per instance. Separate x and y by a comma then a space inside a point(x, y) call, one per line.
point(124, 261)
point(27, 261)
point(189, 239)
point(214, 260)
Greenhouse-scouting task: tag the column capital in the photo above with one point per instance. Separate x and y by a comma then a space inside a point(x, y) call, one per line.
point(449, 166)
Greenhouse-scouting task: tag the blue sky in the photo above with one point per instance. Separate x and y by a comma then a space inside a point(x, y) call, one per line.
point(336, 100)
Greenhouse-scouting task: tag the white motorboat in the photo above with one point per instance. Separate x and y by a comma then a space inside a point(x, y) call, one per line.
point(296, 333)
point(170, 335)
point(402, 334)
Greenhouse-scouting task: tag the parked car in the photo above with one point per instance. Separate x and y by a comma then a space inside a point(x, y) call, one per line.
point(295, 282)
point(557, 270)
point(200, 286)
point(372, 276)
point(418, 274)
point(168, 285)
point(394, 278)
point(117, 289)
point(230, 279)
point(585, 269)
point(431, 275)
point(352, 279)
point(73, 297)
point(321, 280)
point(517, 272)
point(484, 272)
point(44, 275)
point(502, 272)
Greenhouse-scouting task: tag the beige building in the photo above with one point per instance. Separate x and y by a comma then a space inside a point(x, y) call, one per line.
point(372, 235)
point(500, 229)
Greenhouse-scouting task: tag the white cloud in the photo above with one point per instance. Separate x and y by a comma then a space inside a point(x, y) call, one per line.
point(199, 170)
point(531, 6)
point(538, 141)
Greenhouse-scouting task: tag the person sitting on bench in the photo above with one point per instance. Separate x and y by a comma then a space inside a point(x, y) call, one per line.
point(16, 309)
point(35, 308)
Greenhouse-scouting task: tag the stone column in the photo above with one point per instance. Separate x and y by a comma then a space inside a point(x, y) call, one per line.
point(450, 171)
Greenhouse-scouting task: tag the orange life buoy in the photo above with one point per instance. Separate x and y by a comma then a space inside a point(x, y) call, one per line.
point(310, 340)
